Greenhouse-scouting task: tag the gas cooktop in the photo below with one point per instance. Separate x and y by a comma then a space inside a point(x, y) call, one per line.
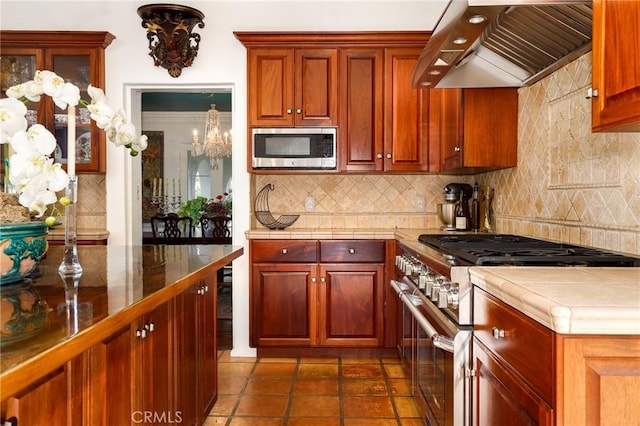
point(506, 249)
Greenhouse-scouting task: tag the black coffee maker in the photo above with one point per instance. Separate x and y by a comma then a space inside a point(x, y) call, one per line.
point(452, 195)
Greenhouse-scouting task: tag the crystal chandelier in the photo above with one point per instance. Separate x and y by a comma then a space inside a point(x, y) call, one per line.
point(215, 145)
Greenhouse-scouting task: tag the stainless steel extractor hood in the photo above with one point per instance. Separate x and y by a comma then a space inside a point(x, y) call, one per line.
point(503, 43)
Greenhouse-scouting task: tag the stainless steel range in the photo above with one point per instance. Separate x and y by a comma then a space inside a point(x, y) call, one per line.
point(437, 307)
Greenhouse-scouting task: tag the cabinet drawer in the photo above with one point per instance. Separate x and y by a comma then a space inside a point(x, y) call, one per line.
point(284, 251)
point(350, 251)
point(520, 341)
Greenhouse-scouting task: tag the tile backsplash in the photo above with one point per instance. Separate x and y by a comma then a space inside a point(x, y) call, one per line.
point(570, 185)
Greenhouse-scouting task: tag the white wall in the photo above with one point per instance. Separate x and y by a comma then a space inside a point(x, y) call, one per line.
point(221, 59)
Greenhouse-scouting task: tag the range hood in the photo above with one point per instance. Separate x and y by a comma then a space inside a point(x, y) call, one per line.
point(503, 43)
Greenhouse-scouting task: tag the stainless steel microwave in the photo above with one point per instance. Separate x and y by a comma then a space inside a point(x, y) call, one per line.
point(311, 148)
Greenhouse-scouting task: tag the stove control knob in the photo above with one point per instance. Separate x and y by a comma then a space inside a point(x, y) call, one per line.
point(435, 288)
point(453, 297)
point(443, 298)
point(429, 280)
point(410, 266)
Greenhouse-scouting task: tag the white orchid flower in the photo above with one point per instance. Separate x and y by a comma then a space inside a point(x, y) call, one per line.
point(63, 94)
point(32, 172)
point(126, 135)
point(101, 113)
point(37, 179)
point(140, 144)
point(96, 94)
point(37, 138)
point(12, 118)
point(30, 90)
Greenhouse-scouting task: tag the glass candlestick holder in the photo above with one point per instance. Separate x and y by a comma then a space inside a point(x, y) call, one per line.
point(70, 265)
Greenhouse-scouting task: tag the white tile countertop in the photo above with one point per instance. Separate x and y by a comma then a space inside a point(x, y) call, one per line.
point(339, 234)
point(568, 300)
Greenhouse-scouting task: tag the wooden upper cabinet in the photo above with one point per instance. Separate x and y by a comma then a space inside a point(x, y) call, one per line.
point(616, 67)
point(361, 137)
point(406, 141)
point(383, 120)
point(76, 56)
point(478, 129)
point(293, 87)
point(359, 82)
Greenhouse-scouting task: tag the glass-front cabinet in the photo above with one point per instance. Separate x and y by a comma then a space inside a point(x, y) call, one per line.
point(76, 56)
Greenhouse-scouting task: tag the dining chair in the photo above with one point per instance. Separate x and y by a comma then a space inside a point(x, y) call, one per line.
point(174, 230)
point(215, 229)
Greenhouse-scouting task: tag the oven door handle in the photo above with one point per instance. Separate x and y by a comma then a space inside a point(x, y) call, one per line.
point(439, 341)
point(399, 287)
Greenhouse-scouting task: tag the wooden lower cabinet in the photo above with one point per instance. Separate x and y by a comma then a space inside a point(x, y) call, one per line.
point(195, 351)
point(526, 374)
point(336, 303)
point(284, 300)
point(108, 379)
point(49, 401)
point(153, 368)
point(501, 396)
point(351, 305)
point(160, 369)
point(600, 380)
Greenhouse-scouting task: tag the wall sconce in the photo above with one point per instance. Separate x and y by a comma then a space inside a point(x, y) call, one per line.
point(172, 45)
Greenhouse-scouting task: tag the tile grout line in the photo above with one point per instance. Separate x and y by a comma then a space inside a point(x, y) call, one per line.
point(390, 392)
point(241, 394)
point(291, 394)
point(340, 391)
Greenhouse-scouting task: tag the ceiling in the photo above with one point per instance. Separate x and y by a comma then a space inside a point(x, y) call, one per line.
point(181, 101)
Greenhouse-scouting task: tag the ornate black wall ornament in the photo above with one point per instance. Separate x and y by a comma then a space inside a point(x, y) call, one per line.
point(172, 45)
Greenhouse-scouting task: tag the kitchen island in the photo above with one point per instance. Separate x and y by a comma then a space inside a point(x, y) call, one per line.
point(559, 344)
point(135, 334)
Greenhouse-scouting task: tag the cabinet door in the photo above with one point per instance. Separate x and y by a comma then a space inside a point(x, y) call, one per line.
point(616, 75)
point(479, 128)
point(316, 87)
point(110, 383)
point(206, 391)
point(451, 128)
point(601, 380)
point(270, 90)
point(351, 305)
point(501, 398)
point(185, 349)
point(406, 143)
point(490, 128)
point(283, 304)
point(42, 404)
point(78, 57)
point(77, 65)
point(154, 372)
point(361, 112)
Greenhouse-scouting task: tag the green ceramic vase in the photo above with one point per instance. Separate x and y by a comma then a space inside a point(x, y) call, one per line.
point(22, 245)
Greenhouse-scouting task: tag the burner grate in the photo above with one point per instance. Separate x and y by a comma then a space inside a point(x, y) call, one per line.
point(506, 249)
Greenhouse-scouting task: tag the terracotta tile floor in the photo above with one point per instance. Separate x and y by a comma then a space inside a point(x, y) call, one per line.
point(312, 391)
